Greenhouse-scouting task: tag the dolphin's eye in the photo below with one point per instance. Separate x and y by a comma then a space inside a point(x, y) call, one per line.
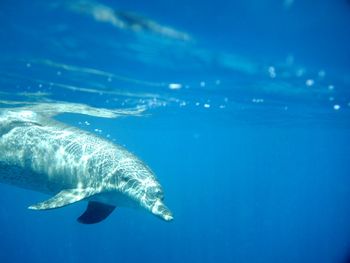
point(158, 193)
point(123, 178)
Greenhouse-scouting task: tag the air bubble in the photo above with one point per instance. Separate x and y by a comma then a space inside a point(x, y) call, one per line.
point(254, 100)
point(272, 72)
point(321, 73)
point(290, 60)
point(300, 72)
point(336, 107)
point(206, 105)
point(183, 103)
point(175, 86)
point(310, 82)
point(288, 3)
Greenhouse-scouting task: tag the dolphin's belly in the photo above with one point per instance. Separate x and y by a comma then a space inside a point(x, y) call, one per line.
point(36, 157)
point(25, 178)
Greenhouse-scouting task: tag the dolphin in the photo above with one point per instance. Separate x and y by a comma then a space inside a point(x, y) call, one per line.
point(42, 154)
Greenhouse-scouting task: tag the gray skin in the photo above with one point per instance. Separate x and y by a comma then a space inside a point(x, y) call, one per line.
point(44, 155)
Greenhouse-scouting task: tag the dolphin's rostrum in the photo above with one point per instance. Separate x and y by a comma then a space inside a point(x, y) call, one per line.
point(42, 154)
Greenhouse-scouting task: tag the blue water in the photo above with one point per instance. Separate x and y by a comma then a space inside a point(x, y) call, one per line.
point(246, 125)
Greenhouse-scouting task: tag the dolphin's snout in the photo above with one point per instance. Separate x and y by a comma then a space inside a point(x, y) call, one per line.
point(167, 215)
point(160, 210)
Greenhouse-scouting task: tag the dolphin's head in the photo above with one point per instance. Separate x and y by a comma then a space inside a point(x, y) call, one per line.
point(136, 180)
point(152, 200)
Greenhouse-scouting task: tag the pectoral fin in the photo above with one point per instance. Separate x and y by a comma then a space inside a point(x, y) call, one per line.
point(63, 198)
point(95, 213)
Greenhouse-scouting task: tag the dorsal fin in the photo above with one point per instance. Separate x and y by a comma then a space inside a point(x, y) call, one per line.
point(95, 213)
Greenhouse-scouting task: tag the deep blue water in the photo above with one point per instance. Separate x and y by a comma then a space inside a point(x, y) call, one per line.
point(246, 125)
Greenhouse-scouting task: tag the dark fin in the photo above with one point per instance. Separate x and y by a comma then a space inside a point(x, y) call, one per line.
point(95, 213)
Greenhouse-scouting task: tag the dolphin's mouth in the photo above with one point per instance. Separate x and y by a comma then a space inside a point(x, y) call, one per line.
point(160, 210)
